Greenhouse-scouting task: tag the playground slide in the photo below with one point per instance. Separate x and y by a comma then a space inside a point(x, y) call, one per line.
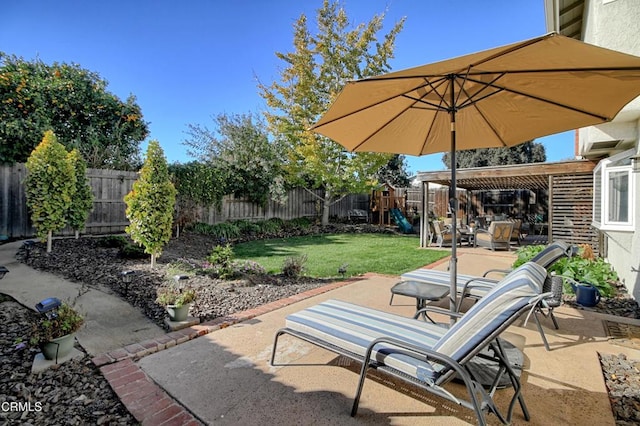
point(401, 221)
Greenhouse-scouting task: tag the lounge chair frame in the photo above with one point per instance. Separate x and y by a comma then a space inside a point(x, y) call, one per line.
point(479, 400)
point(475, 287)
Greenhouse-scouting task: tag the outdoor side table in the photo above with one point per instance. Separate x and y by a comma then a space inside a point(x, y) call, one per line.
point(421, 290)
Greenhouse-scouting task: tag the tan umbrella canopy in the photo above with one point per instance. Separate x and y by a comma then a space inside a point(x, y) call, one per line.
point(495, 98)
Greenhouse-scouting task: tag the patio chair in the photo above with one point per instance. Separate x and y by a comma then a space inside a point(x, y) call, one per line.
point(444, 235)
point(475, 287)
point(422, 353)
point(497, 235)
point(516, 232)
point(553, 286)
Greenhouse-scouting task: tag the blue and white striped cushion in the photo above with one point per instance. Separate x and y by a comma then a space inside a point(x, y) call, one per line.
point(507, 297)
point(551, 254)
point(353, 328)
point(547, 257)
point(443, 278)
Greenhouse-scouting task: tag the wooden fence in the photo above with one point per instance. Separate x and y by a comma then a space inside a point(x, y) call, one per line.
point(108, 215)
point(108, 186)
point(571, 210)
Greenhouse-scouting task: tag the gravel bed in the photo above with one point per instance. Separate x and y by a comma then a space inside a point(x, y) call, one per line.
point(78, 393)
point(87, 261)
point(622, 378)
point(75, 392)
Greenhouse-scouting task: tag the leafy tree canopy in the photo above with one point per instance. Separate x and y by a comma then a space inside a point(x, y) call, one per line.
point(74, 102)
point(528, 152)
point(395, 172)
point(315, 71)
point(240, 149)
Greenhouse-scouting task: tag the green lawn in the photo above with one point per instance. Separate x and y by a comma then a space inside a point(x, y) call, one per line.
point(385, 254)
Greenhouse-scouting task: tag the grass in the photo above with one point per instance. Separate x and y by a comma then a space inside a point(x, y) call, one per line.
point(384, 254)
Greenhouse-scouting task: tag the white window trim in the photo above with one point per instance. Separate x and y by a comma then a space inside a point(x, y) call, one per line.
point(602, 222)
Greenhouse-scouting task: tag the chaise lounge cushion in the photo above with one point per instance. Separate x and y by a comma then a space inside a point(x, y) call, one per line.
point(353, 328)
point(443, 278)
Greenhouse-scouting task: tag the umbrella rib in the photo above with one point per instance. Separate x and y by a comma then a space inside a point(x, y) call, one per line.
point(403, 94)
point(518, 46)
point(434, 89)
point(541, 99)
point(475, 105)
point(416, 100)
point(555, 70)
point(439, 108)
point(484, 86)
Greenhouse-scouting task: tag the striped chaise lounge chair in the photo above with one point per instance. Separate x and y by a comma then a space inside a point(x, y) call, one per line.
point(474, 287)
point(426, 354)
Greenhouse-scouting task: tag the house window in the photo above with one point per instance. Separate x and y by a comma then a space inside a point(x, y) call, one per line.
point(613, 193)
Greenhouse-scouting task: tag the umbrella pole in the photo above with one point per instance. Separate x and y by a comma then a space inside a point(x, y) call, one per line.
point(453, 202)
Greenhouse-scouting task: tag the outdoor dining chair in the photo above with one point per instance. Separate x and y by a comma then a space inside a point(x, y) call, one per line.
point(425, 354)
point(444, 234)
point(496, 236)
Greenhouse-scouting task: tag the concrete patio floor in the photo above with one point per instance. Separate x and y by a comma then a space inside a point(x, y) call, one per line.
point(224, 377)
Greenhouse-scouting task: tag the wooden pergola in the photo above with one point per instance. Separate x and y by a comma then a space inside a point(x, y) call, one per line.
point(569, 185)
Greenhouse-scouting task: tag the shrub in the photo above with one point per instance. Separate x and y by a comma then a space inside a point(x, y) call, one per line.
point(150, 204)
point(247, 267)
point(225, 231)
point(300, 222)
point(582, 268)
point(220, 261)
point(50, 186)
point(525, 254)
point(133, 251)
point(82, 200)
point(113, 241)
point(171, 295)
point(201, 228)
point(246, 227)
point(271, 226)
point(294, 266)
point(66, 321)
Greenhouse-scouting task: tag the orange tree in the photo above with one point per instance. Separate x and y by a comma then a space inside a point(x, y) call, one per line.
point(75, 104)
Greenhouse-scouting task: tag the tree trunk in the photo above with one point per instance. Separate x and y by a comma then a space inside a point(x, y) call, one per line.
point(77, 234)
point(326, 203)
point(153, 261)
point(49, 241)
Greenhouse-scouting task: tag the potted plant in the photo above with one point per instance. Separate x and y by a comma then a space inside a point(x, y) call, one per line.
point(55, 333)
point(176, 301)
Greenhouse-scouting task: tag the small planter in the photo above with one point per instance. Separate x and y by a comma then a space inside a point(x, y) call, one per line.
point(58, 348)
point(178, 313)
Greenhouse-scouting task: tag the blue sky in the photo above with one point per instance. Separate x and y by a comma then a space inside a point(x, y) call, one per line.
point(187, 61)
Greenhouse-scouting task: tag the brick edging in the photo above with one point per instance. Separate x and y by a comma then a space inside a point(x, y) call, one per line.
point(148, 402)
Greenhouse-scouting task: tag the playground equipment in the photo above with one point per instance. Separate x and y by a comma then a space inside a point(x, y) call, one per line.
point(383, 201)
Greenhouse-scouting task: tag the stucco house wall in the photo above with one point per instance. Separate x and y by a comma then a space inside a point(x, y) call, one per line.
point(615, 24)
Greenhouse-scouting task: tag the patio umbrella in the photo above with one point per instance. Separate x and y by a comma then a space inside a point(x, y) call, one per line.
point(495, 98)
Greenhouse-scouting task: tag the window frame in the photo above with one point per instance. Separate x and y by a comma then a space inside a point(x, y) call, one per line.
point(601, 179)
